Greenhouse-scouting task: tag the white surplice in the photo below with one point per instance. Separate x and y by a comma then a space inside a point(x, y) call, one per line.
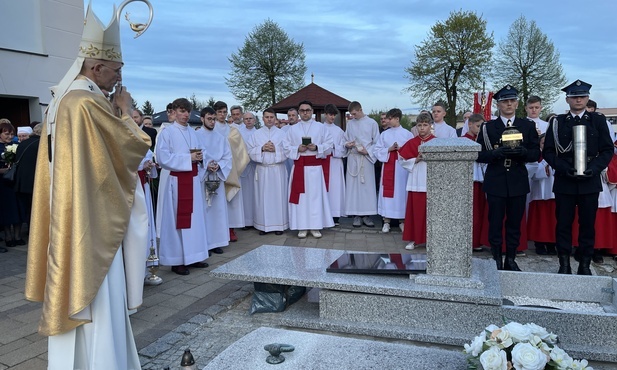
point(235, 207)
point(270, 180)
point(217, 224)
point(360, 191)
point(443, 130)
point(179, 246)
point(247, 180)
point(313, 209)
point(540, 124)
point(392, 207)
point(336, 189)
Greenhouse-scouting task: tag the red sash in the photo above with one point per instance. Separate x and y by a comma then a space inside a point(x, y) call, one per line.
point(611, 173)
point(185, 197)
point(387, 180)
point(297, 184)
point(142, 177)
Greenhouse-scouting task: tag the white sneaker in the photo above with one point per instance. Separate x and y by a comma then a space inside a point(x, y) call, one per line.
point(316, 234)
point(357, 221)
point(402, 226)
point(302, 234)
point(410, 246)
point(385, 228)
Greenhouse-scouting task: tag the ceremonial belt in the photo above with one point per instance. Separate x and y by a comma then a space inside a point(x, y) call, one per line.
point(185, 197)
point(142, 178)
point(297, 184)
point(389, 169)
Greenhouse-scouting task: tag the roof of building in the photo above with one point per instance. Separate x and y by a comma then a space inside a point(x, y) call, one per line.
point(313, 93)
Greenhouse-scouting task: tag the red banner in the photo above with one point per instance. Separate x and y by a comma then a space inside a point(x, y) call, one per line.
point(482, 104)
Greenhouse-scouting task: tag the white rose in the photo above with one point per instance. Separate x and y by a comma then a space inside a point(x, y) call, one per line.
point(476, 345)
point(519, 332)
point(580, 365)
point(527, 357)
point(494, 359)
point(561, 358)
point(542, 333)
point(501, 339)
point(11, 148)
point(491, 328)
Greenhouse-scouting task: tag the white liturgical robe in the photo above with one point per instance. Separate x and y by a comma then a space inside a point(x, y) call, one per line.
point(247, 180)
point(312, 212)
point(393, 205)
point(443, 130)
point(360, 191)
point(235, 207)
point(179, 246)
point(270, 186)
point(217, 150)
point(336, 190)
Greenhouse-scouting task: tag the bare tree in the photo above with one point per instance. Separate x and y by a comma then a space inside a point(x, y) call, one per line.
point(267, 68)
point(528, 60)
point(451, 62)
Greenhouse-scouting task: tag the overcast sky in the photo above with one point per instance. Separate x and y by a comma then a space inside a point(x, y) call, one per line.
point(358, 50)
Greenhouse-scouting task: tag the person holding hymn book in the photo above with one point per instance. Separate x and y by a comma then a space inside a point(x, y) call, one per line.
point(410, 159)
point(309, 206)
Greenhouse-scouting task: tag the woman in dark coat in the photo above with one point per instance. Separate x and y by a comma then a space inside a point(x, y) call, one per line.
point(24, 177)
point(11, 213)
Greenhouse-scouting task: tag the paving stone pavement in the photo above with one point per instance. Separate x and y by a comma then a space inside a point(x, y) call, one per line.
point(196, 311)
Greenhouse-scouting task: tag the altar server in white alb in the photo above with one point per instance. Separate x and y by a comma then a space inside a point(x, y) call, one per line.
point(306, 143)
point(180, 211)
point(233, 188)
point(147, 171)
point(88, 233)
point(217, 160)
point(247, 179)
point(266, 150)
point(393, 183)
point(360, 192)
point(336, 188)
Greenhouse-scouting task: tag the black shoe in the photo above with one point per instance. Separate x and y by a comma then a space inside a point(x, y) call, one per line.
point(583, 266)
point(217, 251)
point(199, 265)
point(10, 243)
point(278, 233)
point(20, 242)
point(597, 256)
point(3, 250)
point(180, 270)
point(541, 249)
point(262, 232)
point(247, 227)
point(577, 255)
point(510, 264)
point(497, 256)
point(564, 265)
point(551, 250)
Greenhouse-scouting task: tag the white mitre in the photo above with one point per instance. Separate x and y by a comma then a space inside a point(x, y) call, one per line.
point(97, 42)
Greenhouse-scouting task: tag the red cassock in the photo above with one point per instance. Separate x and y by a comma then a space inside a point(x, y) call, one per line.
point(415, 212)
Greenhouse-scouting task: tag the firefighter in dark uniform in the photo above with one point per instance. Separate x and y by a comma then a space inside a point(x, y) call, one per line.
point(506, 181)
point(572, 189)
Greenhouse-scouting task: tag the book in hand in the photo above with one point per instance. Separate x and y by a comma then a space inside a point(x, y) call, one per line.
point(306, 140)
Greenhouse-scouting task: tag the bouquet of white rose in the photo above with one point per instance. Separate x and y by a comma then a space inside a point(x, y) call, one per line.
point(519, 347)
point(8, 156)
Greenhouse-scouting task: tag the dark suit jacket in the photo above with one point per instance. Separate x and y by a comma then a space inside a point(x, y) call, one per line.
point(152, 133)
point(500, 180)
point(27, 151)
point(599, 148)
